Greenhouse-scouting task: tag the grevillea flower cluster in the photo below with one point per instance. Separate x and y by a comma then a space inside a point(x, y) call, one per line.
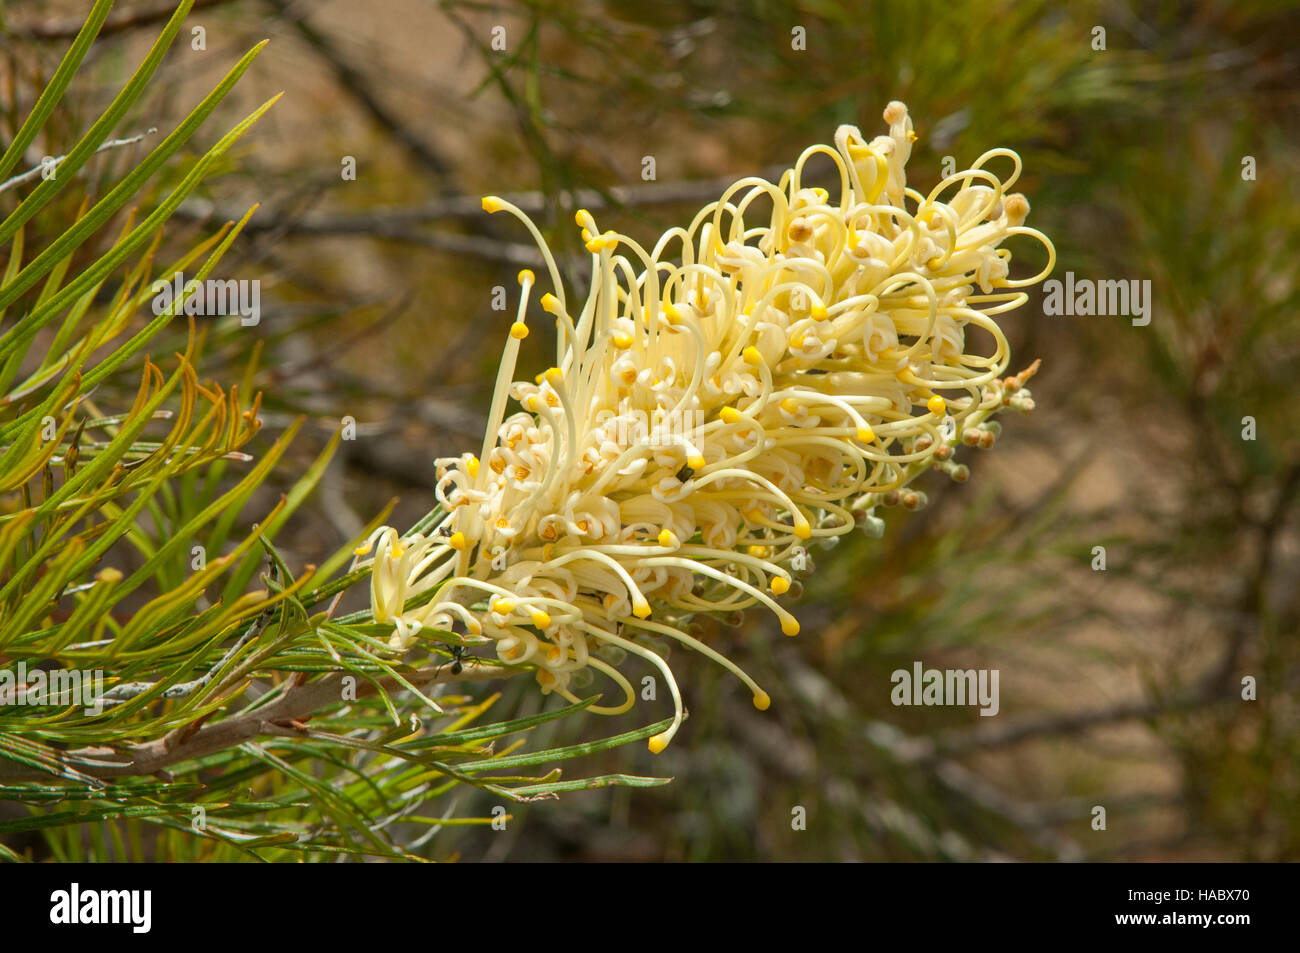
point(758, 381)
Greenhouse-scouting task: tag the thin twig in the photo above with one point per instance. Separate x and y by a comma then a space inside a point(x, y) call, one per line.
point(184, 744)
point(54, 163)
point(122, 693)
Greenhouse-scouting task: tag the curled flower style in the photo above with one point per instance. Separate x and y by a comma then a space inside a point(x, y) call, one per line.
point(719, 402)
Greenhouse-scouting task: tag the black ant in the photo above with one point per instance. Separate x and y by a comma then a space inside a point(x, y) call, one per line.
point(458, 655)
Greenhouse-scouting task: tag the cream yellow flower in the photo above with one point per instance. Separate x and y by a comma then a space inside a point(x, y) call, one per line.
point(750, 385)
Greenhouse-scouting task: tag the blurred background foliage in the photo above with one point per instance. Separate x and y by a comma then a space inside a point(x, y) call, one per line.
point(1120, 688)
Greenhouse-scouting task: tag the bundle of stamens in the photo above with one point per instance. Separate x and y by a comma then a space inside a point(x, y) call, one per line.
point(717, 402)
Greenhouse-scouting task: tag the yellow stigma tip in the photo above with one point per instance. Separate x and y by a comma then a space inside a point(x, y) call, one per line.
point(803, 530)
point(527, 277)
point(550, 303)
point(519, 330)
point(457, 541)
point(790, 625)
point(622, 341)
point(696, 462)
point(554, 375)
point(641, 610)
point(361, 550)
point(471, 466)
point(762, 702)
point(579, 215)
point(730, 415)
point(541, 619)
point(819, 311)
point(866, 434)
point(492, 204)
point(937, 405)
point(658, 743)
point(667, 538)
point(751, 356)
point(780, 585)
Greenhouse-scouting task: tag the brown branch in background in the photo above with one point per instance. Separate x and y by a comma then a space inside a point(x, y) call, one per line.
point(116, 22)
point(299, 701)
point(469, 208)
point(1210, 694)
point(399, 224)
point(515, 254)
point(937, 757)
point(1253, 602)
point(927, 750)
point(357, 85)
point(325, 357)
